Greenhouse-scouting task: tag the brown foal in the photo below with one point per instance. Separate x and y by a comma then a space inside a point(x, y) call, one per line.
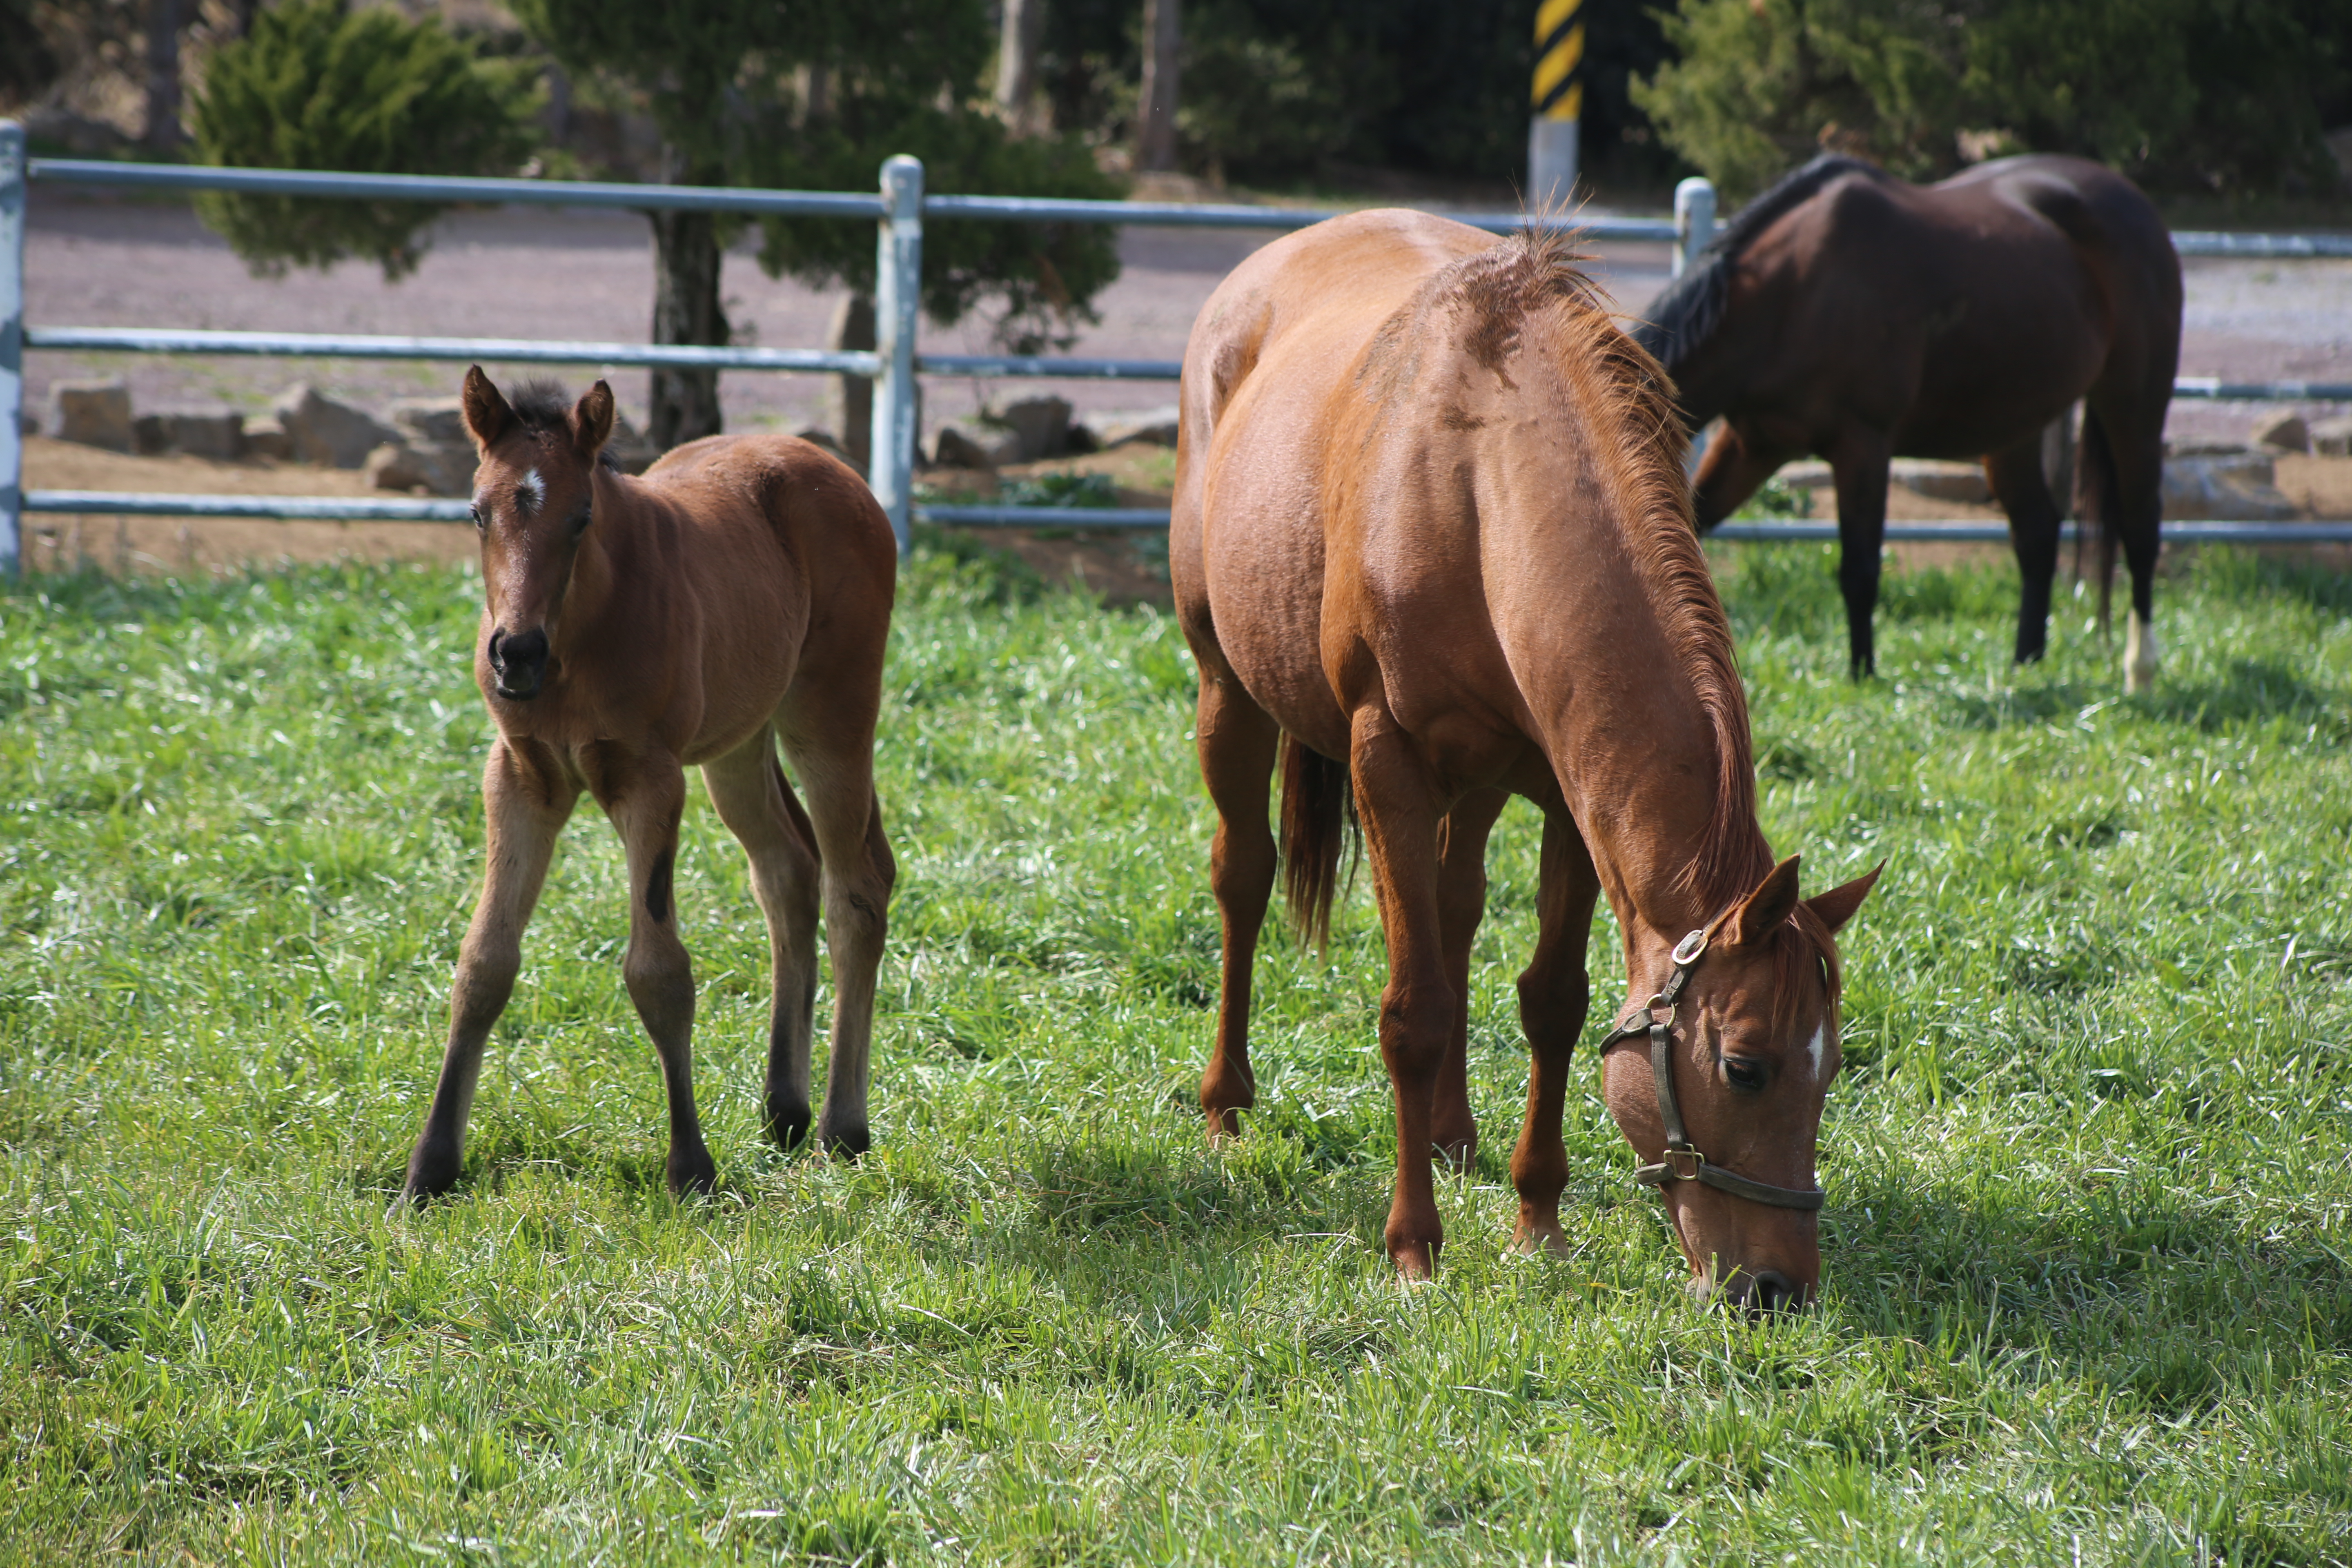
point(738, 593)
point(1433, 545)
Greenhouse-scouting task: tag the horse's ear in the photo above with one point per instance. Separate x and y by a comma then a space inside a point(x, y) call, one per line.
point(592, 421)
point(1837, 906)
point(487, 414)
point(1761, 912)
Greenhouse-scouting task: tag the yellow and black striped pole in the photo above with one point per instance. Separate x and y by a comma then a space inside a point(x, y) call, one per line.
point(1559, 103)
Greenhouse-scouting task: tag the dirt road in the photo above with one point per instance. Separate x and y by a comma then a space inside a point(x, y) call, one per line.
point(552, 273)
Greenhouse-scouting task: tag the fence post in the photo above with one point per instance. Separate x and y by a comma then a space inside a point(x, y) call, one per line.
point(897, 294)
point(12, 345)
point(1694, 221)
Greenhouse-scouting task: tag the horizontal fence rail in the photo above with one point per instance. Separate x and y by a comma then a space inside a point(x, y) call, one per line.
point(898, 210)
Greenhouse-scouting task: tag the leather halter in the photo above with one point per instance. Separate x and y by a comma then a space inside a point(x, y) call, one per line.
point(1682, 1162)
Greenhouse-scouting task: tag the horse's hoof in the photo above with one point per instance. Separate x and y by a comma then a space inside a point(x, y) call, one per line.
point(788, 1121)
point(692, 1175)
point(846, 1142)
point(1224, 1125)
point(1416, 1261)
point(432, 1172)
point(1540, 1241)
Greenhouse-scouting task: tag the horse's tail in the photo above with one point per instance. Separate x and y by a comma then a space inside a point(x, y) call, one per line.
point(2096, 498)
point(1318, 811)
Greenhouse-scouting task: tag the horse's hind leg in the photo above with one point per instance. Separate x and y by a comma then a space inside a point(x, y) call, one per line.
point(1860, 462)
point(2132, 430)
point(2021, 483)
point(1461, 904)
point(756, 802)
point(526, 801)
point(832, 747)
point(645, 795)
point(1238, 741)
point(1398, 804)
point(1554, 992)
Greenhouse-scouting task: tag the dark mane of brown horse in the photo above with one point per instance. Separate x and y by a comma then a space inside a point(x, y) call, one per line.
point(1630, 407)
point(1682, 317)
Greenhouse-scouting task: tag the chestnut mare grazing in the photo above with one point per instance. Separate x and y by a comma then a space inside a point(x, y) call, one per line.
point(737, 594)
point(1850, 316)
point(1433, 543)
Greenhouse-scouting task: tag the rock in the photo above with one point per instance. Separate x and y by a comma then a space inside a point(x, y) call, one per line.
point(2332, 437)
point(2283, 432)
point(266, 437)
point(436, 468)
point(420, 419)
point(1963, 482)
point(94, 412)
point(149, 437)
point(330, 434)
point(2229, 487)
point(1149, 428)
point(1042, 425)
point(968, 445)
point(215, 434)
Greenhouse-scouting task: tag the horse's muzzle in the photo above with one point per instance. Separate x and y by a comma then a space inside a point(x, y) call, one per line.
point(1760, 1294)
point(519, 663)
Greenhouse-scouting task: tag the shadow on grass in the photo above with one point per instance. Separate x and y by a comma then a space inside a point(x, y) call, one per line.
point(2149, 1298)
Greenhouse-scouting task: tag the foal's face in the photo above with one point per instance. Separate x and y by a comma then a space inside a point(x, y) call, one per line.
point(1754, 1048)
point(534, 503)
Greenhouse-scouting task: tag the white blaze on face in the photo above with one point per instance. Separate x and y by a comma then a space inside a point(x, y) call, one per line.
point(1821, 1044)
point(531, 489)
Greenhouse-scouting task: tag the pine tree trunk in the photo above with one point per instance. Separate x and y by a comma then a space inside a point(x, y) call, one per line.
point(1155, 141)
point(163, 22)
point(685, 310)
point(1022, 35)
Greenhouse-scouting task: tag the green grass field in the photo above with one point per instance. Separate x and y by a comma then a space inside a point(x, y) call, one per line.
point(2089, 1291)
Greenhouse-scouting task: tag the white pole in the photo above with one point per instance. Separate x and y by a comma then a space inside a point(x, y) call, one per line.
point(897, 294)
point(1694, 221)
point(12, 345)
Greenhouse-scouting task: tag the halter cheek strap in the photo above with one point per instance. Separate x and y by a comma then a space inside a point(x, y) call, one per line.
point(1682, 1162)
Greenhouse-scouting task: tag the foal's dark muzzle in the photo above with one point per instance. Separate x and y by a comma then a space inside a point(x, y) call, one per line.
point(520, 662)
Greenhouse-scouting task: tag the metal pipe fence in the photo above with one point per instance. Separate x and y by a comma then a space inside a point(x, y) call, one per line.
point(898, 209)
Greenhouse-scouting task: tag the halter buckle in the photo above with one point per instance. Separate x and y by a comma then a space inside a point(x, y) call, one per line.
point(1676, 1171)
point(1687, 951)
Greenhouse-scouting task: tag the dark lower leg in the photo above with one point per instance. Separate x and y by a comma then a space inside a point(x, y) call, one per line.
point(1461, 904)
point(2019, 483)
point(1553, 995)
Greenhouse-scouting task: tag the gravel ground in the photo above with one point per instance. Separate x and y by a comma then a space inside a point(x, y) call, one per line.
point(548, 273)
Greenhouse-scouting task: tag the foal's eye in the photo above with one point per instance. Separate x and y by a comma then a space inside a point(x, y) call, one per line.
point(481, 523)
point(581, 522)
point(1741, 1073)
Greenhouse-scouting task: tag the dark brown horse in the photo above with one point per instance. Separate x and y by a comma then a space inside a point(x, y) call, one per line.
point(1853, 316)
point(737, 594)
point(1433, 543)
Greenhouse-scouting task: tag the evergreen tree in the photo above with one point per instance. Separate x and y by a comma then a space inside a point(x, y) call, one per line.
point(799, 94)
point(314, 85)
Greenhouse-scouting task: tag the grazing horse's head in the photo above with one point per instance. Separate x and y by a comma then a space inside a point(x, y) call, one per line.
point(533, 503)
point(1751, 1045)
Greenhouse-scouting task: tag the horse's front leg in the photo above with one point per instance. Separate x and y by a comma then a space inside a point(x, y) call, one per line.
point(1554, 992)
point(1461, 905)
point(1238, 745)
point(643, 796)
point(1859, 461)
point(526, 798)
point(1398, 800)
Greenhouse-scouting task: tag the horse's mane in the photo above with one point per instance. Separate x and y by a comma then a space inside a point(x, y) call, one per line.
point(1687, 313)
point(1628, 404)
point(542, 407)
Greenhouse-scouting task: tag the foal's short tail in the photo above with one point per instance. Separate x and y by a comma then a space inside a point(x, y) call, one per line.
point(2096, 498)
point(1318, 811)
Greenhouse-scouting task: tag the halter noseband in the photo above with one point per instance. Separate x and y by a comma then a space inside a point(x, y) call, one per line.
point(1684, 1163)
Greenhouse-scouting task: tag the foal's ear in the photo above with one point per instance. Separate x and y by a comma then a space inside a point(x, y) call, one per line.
point(1759, 914)
point(488, 414)
point(1837, 906)
point(592, 421)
